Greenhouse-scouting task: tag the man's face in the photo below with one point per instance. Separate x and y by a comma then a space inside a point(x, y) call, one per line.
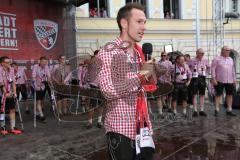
point(136, 25)
point(200, 54)
point(43, 62)
point(6, 63)
point(181, 60)
point(164, 56)
point(62, 60)
point(226, 51)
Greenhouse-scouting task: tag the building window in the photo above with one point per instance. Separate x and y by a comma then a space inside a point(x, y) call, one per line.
point(142, 2)
point(98, 8)
point(233, 6)
point(171, 9)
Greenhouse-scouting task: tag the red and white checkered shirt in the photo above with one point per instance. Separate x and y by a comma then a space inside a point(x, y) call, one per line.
point(119, 83)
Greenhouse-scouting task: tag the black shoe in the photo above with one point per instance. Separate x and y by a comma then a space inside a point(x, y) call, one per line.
point(27, 112)
point(185, 115)
point(38, 117)
point(195, 114)
point(41, 119)
point(89, 126)
point(216, 113)
point(202, 113)
point(230, 113)
point(99, 125)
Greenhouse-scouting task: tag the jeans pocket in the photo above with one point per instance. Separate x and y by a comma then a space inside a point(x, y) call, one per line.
point(114, 141)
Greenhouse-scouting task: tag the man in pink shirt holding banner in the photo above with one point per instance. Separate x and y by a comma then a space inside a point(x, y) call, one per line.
point(224, 77)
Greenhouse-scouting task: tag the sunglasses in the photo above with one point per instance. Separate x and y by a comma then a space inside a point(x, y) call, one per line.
point(163, 55)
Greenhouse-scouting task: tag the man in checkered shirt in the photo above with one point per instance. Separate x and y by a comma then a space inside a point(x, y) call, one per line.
point(120, 79)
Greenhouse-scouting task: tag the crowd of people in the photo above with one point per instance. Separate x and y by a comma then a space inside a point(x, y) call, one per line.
point(119, 74)
point(15, 86)
point(189, 77)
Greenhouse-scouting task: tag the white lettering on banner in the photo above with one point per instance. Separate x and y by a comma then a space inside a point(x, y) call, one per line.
point(8, 31)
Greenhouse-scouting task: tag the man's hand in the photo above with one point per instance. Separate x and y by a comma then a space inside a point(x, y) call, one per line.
point(215, 82)
point(235, 83)
point(146, 73)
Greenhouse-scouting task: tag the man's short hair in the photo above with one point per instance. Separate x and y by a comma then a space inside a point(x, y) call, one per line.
point(60, 56)
point(179, 56)
point(43, 58)
point(96, 52)
point(187, 55)
point(3, 58)
point(125, 12)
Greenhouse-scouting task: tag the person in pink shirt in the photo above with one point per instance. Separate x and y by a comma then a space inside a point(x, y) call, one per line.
point(41, 76)
point(182, 76)
point(8, 87)
point(200, 68)
point(163, 79)
point(21, 80)
point(224, 77)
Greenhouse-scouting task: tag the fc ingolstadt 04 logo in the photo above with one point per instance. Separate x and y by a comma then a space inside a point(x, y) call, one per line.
point(46, 32)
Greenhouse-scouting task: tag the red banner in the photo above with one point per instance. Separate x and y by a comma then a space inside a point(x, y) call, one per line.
point(30, 29)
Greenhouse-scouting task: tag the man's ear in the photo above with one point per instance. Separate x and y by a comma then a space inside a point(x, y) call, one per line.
point(124, 23)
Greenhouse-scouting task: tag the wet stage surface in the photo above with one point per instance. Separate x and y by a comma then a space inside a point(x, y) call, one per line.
point(176, 138)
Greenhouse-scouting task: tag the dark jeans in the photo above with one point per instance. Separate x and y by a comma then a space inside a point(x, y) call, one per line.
point(120, 147)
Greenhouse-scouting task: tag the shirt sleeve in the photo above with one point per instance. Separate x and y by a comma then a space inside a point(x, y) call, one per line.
point(189, 73)
point(25, 76)
point(213, 68)
point(1, 77)
point(34, 72)
point(234, 72)
point(110, 86)
point(12, 75)
point(48, 73)
point(208, 69)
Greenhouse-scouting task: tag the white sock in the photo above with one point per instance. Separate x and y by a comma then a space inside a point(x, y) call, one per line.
point(184, 110)
point(99, 119)
point(90, 121)
point(201, 109)
point(217, 109)
point(195, 109)
point(41, 114)
point(175, 111)
point(160, 111)
point(190, 106)
point(12, 123)
point(229, 109)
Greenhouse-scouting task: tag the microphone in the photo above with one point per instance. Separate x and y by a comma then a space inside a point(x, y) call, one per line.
point(147, 49)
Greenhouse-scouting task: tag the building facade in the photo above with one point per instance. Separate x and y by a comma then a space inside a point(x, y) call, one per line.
point(169, 22)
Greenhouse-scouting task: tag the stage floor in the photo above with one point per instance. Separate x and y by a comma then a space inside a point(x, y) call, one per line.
point(176, 138)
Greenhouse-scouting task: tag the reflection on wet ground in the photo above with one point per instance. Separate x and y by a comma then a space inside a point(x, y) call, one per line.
point(210, 138)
